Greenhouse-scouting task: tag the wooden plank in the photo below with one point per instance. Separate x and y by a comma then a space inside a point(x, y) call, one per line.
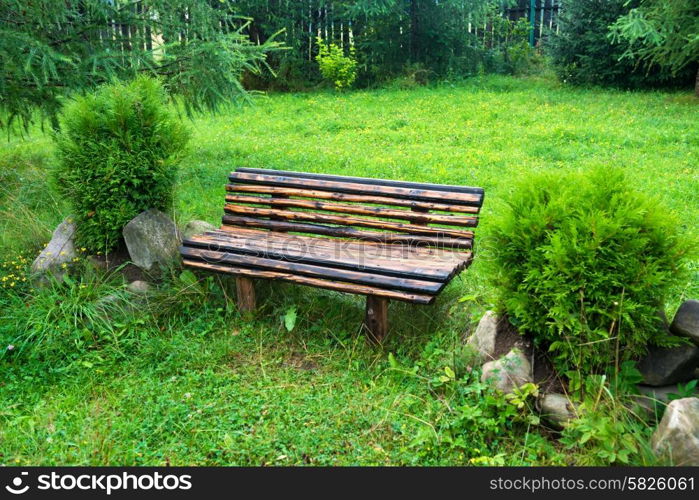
point(416, 215)
point(349, 232)
point(401, 268)
point(315, 282)
point(345, 220)
point(426, 256)
point(356, 188)
point(346, 197)
point(376, 317)
point(335, 274)
point(365, 180)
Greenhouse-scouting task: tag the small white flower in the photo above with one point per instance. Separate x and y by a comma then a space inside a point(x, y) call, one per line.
point(187, 395)
point(10, 347)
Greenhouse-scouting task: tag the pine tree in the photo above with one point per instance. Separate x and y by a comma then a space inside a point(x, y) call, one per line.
point(50, 49)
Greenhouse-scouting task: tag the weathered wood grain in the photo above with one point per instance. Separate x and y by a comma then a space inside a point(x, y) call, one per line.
point(346, 197)
point(349, 232)
point(358, 188)
point(345, 220)
point(227, 257)
point(417, 215)
point(315, 282)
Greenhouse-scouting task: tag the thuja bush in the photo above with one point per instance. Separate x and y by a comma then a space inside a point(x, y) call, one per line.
point(583, 263)
point(118, 150)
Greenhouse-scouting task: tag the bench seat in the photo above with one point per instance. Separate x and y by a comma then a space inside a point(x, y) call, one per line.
point(392, 270)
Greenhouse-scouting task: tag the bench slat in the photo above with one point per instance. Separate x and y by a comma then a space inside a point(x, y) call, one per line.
point(315, 282)
point(363, 278)
point(345, 220)
point(365, 180)
point(367, 259)
point(349, 232)
point(358, 188)
point(346, 197)
point(449, 220)
point(426, 256)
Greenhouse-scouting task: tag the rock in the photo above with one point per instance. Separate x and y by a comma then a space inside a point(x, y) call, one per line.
point(654, 399)
point(196, 227)
point(483, 340)
point(557, 409)
point(508, 372)
point(665, 366)
point(686, 321)
point(677, 437)
point(139, 287)
point(59, 251)
point(152, 240)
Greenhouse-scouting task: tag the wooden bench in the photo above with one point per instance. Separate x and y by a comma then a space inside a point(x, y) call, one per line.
point(385, 239)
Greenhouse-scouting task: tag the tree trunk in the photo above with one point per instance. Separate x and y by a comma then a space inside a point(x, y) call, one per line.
point(696, 83)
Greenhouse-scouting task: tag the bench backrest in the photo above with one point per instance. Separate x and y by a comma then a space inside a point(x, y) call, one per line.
point(434, 215)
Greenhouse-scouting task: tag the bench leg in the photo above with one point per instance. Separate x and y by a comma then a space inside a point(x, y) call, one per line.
point(376, 320)
point(245, 294)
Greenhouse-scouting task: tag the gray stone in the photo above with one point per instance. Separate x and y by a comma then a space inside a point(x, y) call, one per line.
point(686, 321)
point(483, 339)
point(677, 437)
point(509, 372)
point(557, 409)
point(139, 287)
point(152, 240)
point(196, 227)
point(665, 366)
point(59, 251)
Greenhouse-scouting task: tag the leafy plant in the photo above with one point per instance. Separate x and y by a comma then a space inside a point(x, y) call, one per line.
point(584, 263)
point(605, 432)
point(335, 66)
point(290, 319)
point(118, 153)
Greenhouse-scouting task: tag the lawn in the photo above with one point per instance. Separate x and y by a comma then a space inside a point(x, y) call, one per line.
point(183, 379)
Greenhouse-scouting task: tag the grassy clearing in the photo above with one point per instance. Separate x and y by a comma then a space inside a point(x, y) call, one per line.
point(183, 380)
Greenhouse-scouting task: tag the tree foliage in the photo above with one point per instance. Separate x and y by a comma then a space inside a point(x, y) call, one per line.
point(49, 49)
point(584, 53)
point(662, 32)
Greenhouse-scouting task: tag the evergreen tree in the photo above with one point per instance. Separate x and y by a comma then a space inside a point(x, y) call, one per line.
point(49, 49)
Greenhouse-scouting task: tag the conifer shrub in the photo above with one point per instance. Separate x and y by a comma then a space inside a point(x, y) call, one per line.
point(583, 263)
point(118, 150)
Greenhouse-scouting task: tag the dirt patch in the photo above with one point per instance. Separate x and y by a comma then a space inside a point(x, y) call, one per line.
point(118, 261)
point(507, 338)
point(300, 362)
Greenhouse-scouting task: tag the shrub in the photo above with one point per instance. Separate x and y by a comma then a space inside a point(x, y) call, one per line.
point(117, 151)
point(584, 53)
point(583, 264)
point(335, 66)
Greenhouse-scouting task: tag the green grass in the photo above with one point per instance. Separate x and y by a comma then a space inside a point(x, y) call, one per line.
point(185, 380)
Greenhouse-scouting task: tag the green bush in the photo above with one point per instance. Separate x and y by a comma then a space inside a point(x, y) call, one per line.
point(584, 53)
point(335, 66)
point(118, 150)
point(583, 264)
